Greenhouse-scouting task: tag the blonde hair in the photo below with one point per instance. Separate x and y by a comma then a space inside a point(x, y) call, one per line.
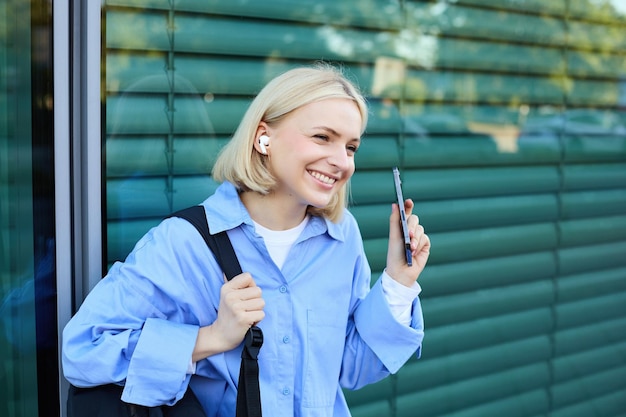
point(244, 167)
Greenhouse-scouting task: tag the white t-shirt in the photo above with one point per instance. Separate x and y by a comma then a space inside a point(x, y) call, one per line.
point(399, 297)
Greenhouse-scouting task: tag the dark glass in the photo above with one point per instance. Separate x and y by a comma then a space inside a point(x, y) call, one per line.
point(29, 372)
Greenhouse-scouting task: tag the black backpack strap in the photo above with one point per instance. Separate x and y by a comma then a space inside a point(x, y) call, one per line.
point(219, 243)
point(248, 393)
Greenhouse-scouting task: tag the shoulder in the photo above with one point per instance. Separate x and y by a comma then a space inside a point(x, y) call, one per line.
point(224, 209)
point(171, 236)
point(345, 229)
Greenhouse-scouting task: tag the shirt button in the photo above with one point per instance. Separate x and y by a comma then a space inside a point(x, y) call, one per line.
point(283, 289)
point(286, 339)
point(286, 391)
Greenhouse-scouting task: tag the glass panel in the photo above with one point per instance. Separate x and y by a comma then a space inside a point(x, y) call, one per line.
point(28, 327)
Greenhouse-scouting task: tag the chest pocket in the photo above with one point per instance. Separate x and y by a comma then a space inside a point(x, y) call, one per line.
point(324, 352)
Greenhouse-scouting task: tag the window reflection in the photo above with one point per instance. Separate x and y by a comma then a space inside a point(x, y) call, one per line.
point(28, 325)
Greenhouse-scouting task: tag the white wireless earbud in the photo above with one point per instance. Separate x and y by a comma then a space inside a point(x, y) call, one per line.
point(264, 141)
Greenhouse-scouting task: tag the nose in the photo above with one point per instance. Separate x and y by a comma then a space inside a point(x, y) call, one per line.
point(340, 158)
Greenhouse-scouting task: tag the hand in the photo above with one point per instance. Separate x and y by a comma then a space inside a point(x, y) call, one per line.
point(397, 267)
point(241, 306)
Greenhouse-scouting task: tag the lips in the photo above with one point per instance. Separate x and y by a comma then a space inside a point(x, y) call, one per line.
point(322, 178)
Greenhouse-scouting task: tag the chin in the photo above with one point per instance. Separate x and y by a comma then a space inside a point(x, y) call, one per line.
point(320, 203)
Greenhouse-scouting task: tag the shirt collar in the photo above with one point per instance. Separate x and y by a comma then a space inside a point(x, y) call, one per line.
point(225, 211)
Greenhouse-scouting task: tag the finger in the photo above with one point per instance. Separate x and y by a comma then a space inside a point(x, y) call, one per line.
point(417, 238)
point(237, 298)
point(423, 251)
point(250, 293)
point(250, 312)
point(413, 221)
point(255, 304)
point(243, 280)
point(408, 207)
point(394, 221)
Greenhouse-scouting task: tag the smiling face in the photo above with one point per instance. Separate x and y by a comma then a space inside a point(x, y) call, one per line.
point(311, 152)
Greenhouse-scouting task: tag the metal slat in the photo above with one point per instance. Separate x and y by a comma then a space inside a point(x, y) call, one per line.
point(469, 393)
point(423, 374)
point(456, 338)
point(454, 19)
point(462, 277)
point(487, 303)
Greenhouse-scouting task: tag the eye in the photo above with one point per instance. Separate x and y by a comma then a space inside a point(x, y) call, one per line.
point(321, 136)
point(352, 149)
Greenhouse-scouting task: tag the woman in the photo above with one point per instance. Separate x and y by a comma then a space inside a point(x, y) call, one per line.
point(165, 319)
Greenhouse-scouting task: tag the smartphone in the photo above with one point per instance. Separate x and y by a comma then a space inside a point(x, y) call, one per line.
point(405, 227)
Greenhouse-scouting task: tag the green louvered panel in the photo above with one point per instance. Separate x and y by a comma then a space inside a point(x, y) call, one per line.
point(591, 284)
point(487, 273)
point(372, 408)
point(145, 197)
point(191, 155)
point(470, 212)
point(588, 258)
point(457, 20)
point(474, 87)
point(599, 93)
point(555, 7)
point(597, 35)
point(613, 12)
point(601, 148)
point(465, 394)
point(373, 397)
point(194, 74)
point(479, 150)
point(592, 385)
point(595, 177)
point(470, 244)
point(147, 200)
point(590, 310)
point(148, 31)
point(598, 64)
point(589, 362)
point(374, 13)
point(377, 152)
point(433, 184)
point(484, 303)
point(524, 404)
point(590, 336)
point(464, 336)
point(423, 374)
point(611, 404)
point(123, 235)
point(507, 121)
point(592, 231)
point(453, 53)
point(126, 115)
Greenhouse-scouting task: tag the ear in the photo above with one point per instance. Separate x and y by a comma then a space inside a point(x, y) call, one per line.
point(262, 129)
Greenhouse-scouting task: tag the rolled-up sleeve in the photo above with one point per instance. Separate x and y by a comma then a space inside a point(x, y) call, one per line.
point(391, 341)
point(158, 364)
point(138, 326)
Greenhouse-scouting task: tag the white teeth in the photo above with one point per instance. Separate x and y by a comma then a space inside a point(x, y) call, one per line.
point(323, 178)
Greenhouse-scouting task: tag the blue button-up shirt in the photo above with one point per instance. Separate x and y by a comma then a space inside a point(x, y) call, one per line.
point(324, 327)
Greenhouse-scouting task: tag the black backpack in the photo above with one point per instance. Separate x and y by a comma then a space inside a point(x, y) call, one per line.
point(105, 400)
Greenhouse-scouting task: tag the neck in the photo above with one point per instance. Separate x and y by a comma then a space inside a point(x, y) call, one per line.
point(270, 212)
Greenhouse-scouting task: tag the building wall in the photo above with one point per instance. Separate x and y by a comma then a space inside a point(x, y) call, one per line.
point(507, 120)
